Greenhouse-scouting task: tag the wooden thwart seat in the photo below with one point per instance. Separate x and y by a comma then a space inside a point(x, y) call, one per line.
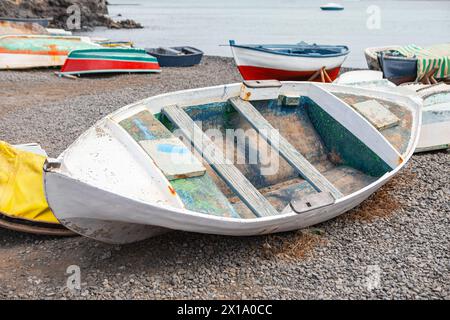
point(243, 188)
point(286, 150)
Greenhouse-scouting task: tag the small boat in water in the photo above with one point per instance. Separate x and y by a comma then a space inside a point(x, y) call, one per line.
point(109, 60)
point(241, 159)
point(41, 21)
point(176, 56)
point(35, 51)
point(331, 6)
point(282, 62)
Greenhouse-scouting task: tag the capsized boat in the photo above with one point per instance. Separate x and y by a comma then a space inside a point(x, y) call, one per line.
point(435, 129)
point(109, 60)
point(176, 56)
point(300, 61)
point(241, 159)
point(34, 51)
point(331, 6)
point(14, 28)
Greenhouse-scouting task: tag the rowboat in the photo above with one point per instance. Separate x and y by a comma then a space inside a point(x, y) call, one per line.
point(398, 68)
point(176, 56)
point(14, 28)
point(240, 159)
point(288, 62)
point(435, 129)
point(371, 55)
point(109, 60)
point(34, 51)
point(331, 6)
point(41, 21)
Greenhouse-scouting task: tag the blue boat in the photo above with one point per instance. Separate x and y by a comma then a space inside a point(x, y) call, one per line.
point(176, 56)
point(397, 68)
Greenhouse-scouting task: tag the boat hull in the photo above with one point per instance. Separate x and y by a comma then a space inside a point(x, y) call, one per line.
point(83, 66)
point(183, 60)
point(259, 65)
point(38, 51)
point(398, 70)
point(109, 60)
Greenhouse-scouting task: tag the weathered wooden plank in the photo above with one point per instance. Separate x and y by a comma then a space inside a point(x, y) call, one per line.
point(378, 115)
point(286, 150)
point(214, 156)
point(173, 158)
point(167, 151)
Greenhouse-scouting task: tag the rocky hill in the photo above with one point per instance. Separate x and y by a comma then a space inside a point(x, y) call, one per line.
point(93, 12)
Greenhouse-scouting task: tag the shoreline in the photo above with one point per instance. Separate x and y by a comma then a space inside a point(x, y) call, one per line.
point(402, 229)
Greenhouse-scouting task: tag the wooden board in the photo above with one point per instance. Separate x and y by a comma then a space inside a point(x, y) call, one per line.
point(167, 151)
point(173, 158)
point(224, 168)
point(377, 114)
point(286, 150)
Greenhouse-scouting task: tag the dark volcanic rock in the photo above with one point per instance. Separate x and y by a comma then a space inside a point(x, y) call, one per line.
point(93, 12)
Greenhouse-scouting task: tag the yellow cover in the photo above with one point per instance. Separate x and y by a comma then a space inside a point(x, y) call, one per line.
point(22, 192)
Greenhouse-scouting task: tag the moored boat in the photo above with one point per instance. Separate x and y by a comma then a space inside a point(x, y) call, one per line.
point(288, 62)
point(242, 159)
point(109, 60)
point(35, 51)
point(331, 6)
point(176, 56)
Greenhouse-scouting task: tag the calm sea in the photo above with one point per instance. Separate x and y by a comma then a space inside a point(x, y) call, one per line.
point(207, 24)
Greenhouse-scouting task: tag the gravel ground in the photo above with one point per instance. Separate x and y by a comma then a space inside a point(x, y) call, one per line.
point(396, 245)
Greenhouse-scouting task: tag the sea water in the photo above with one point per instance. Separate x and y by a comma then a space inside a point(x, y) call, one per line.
point(209, 24)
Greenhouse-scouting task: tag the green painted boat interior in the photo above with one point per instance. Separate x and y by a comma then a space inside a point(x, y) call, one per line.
point(48, 43)
point(333, 150)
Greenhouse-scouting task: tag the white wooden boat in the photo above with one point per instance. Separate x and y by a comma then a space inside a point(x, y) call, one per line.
point(435, 130)
point(35, 51)
point(198, 160)
point(288, 62)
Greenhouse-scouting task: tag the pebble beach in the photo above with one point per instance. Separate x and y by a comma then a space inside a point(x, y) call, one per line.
point(395, 245)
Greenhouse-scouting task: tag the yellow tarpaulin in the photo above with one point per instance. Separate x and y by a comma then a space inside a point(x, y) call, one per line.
point(22, 192)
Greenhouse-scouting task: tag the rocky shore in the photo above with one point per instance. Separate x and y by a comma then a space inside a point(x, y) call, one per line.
point(394, 246)
point(93, 13)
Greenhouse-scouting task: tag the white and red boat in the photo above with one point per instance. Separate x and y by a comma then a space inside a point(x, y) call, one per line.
point(288, 62)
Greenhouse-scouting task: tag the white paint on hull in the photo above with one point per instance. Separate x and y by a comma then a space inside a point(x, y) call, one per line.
point(81, 190)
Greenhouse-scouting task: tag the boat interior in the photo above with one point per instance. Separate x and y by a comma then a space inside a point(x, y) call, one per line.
point(309, 50)
point(318, 161)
